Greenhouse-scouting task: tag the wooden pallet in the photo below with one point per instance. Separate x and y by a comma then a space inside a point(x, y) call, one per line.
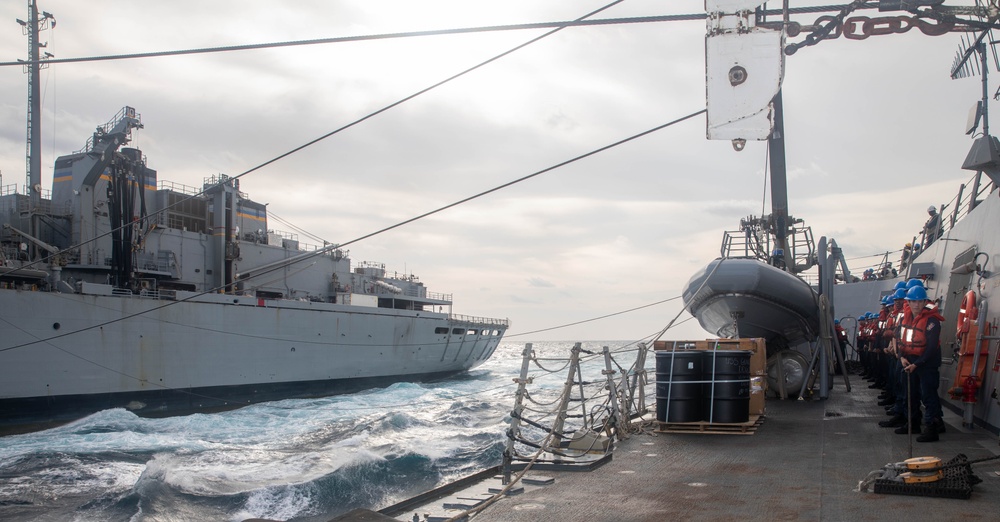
point(716, 428)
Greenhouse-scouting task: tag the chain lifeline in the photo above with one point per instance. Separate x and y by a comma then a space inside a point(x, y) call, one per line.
point(861, 27)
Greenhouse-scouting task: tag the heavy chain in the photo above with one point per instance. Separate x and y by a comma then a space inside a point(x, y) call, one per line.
point(822, 32)
point(861, 27)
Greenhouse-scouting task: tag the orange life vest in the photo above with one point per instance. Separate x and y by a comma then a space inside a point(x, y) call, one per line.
point(913, 332)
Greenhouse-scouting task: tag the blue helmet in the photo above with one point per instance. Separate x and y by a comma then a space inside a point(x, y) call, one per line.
point(914, 282)
point(917, 293)
point(836, 321)
point(900, 294)
point(901, 284)
point(916, 246)
point(887, 300)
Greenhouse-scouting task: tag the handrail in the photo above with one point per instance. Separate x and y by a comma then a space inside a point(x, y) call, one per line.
point(479, 320)
point(970, 195)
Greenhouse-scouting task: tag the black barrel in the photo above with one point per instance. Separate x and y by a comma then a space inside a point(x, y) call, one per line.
point(727, 396)
point(679, 386)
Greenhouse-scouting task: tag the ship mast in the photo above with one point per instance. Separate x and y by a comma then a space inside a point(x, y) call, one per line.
point(31, 28)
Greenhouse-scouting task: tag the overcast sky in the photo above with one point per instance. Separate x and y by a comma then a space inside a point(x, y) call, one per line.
point(875, 134)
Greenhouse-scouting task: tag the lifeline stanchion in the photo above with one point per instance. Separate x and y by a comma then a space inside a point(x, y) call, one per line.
point(515, 422)
point(616, 419)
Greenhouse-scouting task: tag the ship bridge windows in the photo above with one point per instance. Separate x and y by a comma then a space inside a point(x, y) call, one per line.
point(264, 294)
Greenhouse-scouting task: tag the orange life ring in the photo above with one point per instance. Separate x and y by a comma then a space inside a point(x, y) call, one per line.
point(966, 314)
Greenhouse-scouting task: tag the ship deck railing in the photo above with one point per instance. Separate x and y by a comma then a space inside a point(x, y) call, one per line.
point(479, 320)
point(970, 195)
point(180, 188)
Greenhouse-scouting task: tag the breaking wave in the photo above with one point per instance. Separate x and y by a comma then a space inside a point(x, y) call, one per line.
point(302, 460)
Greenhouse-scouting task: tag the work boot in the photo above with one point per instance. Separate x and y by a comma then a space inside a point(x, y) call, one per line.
point(930, 433)
point(901, 430)
point(896, 421)
point(887, 401)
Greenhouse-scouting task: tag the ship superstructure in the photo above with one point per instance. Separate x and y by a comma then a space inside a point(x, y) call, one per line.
point(118, 289)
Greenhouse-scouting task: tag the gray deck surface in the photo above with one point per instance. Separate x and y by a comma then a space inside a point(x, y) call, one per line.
point(802, 464)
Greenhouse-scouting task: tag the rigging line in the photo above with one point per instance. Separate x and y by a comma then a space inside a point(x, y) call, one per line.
point(321, 251)
point(527, 177)
point(298, 229)
point(385, 36)
point(412, 34)
point(685, 307)
point(880, 254)
point(187, 391)
point(123, 374)
point(233, 333)
point(593, 318)
point(336, 131)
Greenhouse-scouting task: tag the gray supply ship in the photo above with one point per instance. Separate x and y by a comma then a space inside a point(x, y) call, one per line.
point(120, 290)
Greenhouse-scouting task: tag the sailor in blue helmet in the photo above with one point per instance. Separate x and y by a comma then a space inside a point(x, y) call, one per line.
point(881, 343)
point(914, 282)
point(896, 399)
point(921, 358)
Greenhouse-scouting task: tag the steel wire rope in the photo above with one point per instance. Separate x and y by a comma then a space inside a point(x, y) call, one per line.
point(382, 36)
point(539, 365)
point(544, 413)
point(296, 228)
point(195, 394)
point(880, 254)
point(252, 336)
point(123, 374)
point(528, 396)
point(685, 307)
point(415, 34)
point(592, 319)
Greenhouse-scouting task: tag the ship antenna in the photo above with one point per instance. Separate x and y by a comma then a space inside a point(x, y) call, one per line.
point(31, 28)
point(985, 151)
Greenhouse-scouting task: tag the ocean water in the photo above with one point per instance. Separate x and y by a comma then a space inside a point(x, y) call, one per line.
point(301, 460)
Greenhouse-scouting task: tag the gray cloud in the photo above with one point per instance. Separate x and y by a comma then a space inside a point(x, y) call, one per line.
point(611, 232)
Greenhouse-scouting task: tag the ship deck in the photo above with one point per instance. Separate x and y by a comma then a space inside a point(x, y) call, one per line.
point(804, 462)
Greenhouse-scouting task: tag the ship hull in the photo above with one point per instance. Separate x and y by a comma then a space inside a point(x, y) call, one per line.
point(748, 298)
point(63, 356)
